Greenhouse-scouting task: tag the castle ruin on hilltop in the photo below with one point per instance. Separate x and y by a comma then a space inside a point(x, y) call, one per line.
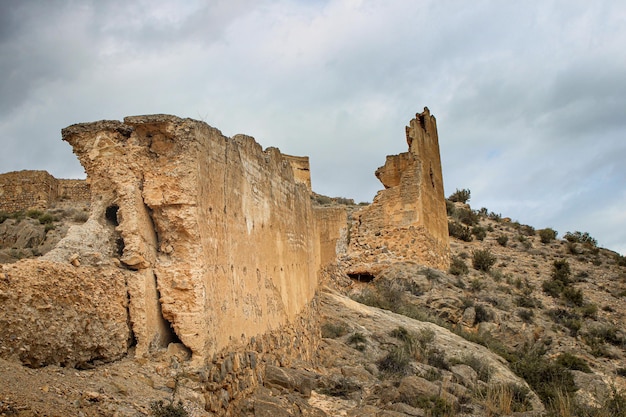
point(209, 241)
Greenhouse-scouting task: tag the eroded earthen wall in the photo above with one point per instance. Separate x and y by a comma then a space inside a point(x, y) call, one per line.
point(407, 220)
point(216, 228)
point(27, 190)
point(332, 231)
point(73, 190)
point(301, 169)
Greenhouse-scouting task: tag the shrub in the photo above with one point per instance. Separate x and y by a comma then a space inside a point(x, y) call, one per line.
point(395, 362)
point(526, 315)
point(502, 240)
point(458, 231)
point(574, 363)
point(545, 377)
point(3, 216)
point(169, 410)
point(553, 288)
point(466, 216)
point(34, 214)
point(573, 296)
point(527, 230)
point(547, 235)
point(578, 237)
point(333, 331)
point(482, 314)
point(47, 218)
point(458, 266)
point(341, 387)
point(483, 260)
point(460, 196)
point(479, 232)
point(482, 368)
point(561, 270)
point(357, 340)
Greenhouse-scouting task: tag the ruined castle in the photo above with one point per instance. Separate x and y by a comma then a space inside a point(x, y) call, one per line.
point(204, 240)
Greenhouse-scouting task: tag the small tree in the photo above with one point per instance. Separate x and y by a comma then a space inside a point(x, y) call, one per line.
point(483, 260)
point(547, 235)
point(460, 196)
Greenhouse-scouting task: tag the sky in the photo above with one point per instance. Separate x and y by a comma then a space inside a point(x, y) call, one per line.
point(529, 96)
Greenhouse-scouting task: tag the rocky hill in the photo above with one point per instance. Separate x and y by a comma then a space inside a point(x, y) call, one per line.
point(524, 323)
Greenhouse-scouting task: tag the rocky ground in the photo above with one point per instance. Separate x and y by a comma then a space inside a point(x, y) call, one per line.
point(518, 326)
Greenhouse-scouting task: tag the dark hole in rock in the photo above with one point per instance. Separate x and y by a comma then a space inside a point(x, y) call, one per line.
point(119, 245)
point(111, 215)
point(363, 277)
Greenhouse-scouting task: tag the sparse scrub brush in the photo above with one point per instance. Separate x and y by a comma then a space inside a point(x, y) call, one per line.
point(547, 235)
point(460, 196)
point(483, 260)
point(579, 237)
point(458, 266)
point(169, 410)
point(502, 240)
point(458, 231)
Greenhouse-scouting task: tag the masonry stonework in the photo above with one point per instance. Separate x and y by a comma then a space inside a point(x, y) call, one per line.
point(407, 220)
point(211, 241)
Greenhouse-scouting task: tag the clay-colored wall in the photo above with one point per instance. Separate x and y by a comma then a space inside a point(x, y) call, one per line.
point(25, 190)
point(407, 220)
point(301, 169)
point(223, 226)
point(73, 190)
point(332, 231)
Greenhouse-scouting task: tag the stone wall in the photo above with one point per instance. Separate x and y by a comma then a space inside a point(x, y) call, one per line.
point(301, 169)
point(216, 229)
point(38, 190)
point(407, 220)
point(73, 190)
point(332, 231)
point(27, 190)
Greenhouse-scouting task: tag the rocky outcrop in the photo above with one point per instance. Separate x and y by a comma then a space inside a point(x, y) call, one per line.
point(58, 314)
point(407, 220)
point(219, 235)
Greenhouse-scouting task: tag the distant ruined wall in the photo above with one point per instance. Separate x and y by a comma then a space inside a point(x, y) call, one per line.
point(219, 233)
point(332, 231)
point(38, 190)
point(407, 220)
point(73, 190)
point(27, 190)
point(301, 169)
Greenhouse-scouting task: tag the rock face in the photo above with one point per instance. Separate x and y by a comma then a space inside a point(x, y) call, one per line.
point(219, 235)
point(57, 314)
point(407, 220)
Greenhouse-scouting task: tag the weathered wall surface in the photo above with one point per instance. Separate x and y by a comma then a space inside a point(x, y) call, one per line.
point(38, 190)
point(332, 231)
point(57, 314)
point(73, 190)
point(301, 169)
point(407, 220)
point(215, 227)
point(26, 190)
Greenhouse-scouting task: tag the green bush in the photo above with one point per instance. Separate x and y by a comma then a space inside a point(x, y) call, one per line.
point(572, 362)
point(483, 260)
point(526, 315)
point(483, 314)
point(547, 235)
point(527, 230)
point(502, 240)
point(545, 377)
point(479, 232)
point(458, 231)
point(169, 410)
point(458, 266)
point(358, 340)
point(396, 362)
point(573, 296)
point(460, 196)
point(333, 331)
point(450, 208)
point(466, 216)
point(561, 271)
point(579, 237)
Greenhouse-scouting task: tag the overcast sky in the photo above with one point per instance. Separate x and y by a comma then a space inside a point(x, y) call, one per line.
point(529, 96)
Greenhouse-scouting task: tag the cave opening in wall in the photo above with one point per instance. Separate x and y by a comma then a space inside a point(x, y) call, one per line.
point(111, 215)
point(169, 335)
point(362, 277)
